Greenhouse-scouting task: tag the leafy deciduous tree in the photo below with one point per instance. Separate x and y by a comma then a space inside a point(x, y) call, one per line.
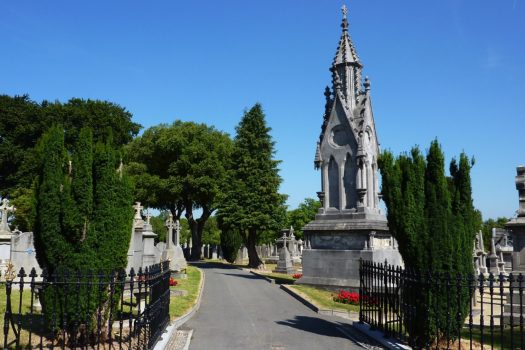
point(302, 215)
point(181, 167)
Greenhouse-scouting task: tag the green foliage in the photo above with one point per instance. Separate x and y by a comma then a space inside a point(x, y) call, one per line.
point(251, 202)
point(23, 122)
point(158, 223)
point(434, 221)
point(185, 232)
point(83, 218)
point(302, 215)
point(23, 200)
point(211, 234)
point(231, 241)
point(181, 167)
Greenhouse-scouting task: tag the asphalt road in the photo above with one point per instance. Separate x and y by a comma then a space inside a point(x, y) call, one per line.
point(242, 311)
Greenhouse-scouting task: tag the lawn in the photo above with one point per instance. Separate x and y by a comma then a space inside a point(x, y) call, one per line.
point(497, 337)
point(279, 278)
point(323, 298)
point(180, 304)
point(25, 308)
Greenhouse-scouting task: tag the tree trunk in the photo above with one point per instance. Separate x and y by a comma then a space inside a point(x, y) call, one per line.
point(253, 258)
point(196, 235)
point(196, 228)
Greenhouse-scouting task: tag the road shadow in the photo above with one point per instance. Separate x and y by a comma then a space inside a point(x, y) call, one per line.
point(205, 265)
point(314, 325)
point(250, 276)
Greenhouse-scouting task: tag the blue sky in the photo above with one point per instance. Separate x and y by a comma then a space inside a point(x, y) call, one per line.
point(449, 69)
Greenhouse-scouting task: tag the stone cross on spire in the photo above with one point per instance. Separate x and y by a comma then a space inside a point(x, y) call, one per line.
point(5, 209)
point(170, 225)
point(344, 9)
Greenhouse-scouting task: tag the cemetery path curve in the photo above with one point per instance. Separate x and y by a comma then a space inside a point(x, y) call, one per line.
point(242, 311)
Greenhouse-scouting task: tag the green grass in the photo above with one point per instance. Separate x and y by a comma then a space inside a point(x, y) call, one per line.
point(15, 306)
point(324, 298)
point(279, 278)
point(476, 337)
point(180, 304)
point(15, 299)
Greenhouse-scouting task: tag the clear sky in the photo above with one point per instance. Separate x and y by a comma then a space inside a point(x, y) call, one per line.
point(451, 69)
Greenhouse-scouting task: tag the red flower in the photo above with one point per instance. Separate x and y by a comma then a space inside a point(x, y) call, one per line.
point(346, 297)
point(297, 275)
point(173, 283)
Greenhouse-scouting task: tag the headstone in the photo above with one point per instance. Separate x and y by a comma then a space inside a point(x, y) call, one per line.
point(135, 244)
point(148, 242)
point(504, 246)
point(214, 255)
point(284, 264)
point(479, 255)
point(5, 209)
point(493, 259)
point(349, 226)
point(300, 246)
point(5, 235)
point(23, 253)
point(173, 251)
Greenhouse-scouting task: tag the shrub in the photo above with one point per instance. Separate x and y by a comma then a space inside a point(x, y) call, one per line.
point(432, 216)
point(230, 244)
point(82, 224)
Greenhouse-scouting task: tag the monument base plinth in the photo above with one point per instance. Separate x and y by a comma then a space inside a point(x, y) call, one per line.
point(339, 269)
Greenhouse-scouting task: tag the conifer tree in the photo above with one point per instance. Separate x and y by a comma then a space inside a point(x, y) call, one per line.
point(434, 221)
point(251, 202)
point(83, 221)
point(230, 244)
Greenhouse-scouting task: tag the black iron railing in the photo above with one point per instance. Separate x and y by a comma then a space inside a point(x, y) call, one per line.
point(85, 310)
point(441, 311)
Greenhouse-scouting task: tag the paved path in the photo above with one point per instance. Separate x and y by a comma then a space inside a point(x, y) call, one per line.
point(242, 311)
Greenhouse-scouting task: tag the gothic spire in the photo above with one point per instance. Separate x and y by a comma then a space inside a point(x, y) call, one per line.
point(346, 52)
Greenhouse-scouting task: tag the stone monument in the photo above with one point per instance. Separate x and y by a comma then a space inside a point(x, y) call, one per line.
point(349, 225)
point(515, 303)
point(135, 244)
point(5, 234)
point(479, 254)
point(148, 243)
point(173, 251)
point(517, 225)
point(284, 264)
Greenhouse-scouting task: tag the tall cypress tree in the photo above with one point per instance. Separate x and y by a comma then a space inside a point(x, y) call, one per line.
point(251, 202)
point(83, 221)
point(434, 220)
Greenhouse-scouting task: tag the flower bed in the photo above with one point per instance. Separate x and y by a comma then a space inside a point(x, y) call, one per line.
point(346, 297)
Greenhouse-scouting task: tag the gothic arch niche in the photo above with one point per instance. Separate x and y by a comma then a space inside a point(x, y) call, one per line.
point(375, 184)
point(349, 183)
point(333, 184)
